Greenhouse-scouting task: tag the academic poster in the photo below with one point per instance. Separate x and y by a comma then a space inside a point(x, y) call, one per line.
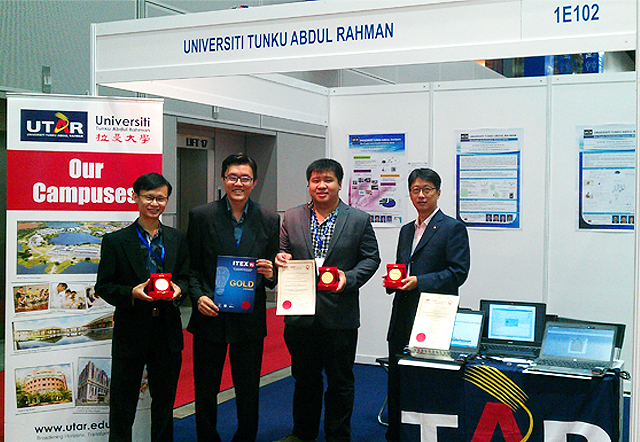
point(71, 162)
point(488, 177)
point(378, 172)
point(607, 158)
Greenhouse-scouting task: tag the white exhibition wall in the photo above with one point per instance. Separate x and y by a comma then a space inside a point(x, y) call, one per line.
point(578, 274)
point(381, 110)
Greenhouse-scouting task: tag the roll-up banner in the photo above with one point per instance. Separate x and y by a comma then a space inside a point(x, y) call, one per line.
point(71, 163)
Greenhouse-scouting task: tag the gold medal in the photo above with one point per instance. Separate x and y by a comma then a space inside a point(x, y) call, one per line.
point(327, 278)
point(395, 274)
point(162, 284)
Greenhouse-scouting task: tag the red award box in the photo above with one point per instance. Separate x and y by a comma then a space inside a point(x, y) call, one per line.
point(328, 278)
point(160, 286)
point(395, 274)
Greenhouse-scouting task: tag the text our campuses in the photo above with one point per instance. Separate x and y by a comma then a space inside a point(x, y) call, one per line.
point(285, 38)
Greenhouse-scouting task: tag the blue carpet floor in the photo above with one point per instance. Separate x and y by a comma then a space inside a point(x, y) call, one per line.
point(371, 390)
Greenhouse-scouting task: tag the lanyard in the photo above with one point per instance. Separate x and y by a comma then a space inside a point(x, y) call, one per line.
point(146, 243)
point(314, 223)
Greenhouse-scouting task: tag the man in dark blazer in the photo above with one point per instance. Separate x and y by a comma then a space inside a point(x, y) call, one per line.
point(435, 248)
point(232, 226)
point(335, 235)
point(146, 331)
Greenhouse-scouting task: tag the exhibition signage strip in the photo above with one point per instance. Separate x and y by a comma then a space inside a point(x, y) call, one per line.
point(607, 158)
point(488, 177)
point(71, 162)
point(346, 34)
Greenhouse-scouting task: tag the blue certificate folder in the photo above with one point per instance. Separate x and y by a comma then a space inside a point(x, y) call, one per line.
point(235, 284)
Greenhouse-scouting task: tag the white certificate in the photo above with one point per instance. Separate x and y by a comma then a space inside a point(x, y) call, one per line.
point(297, 288)
point(433, 325)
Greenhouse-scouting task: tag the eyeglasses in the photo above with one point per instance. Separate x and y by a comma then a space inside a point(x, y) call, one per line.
point(232, 179)
point(158, 199)
point(419, 190)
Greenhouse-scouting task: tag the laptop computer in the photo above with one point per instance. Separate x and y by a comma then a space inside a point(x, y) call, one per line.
point(512, 329)
point(576, 349)
point(620, 331)
point(465, 340)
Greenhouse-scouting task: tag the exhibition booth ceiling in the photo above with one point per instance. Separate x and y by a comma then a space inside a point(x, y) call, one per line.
point(235, 58)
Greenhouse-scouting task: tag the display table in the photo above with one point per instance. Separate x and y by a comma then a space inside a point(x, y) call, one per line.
point(487, 397)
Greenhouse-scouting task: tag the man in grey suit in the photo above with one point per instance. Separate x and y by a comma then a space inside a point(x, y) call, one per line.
point(435, 248)
point(335, 235)
point(235, 225)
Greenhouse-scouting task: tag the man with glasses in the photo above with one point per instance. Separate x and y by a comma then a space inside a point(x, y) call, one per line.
point(435, 249)
point(146, 331)
point(235, 225)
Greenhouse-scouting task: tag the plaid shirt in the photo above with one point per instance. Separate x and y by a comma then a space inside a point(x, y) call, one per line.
point(321, 233)
point(153, 262)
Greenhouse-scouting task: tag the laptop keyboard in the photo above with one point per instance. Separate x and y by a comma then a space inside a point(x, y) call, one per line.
point(436, 353)
point(569, 364)
point(499, 349)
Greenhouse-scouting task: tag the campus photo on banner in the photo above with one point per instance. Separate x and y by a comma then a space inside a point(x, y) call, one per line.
point(71, 163)
point(607, 158)
point(378, 169)
point(488, 177)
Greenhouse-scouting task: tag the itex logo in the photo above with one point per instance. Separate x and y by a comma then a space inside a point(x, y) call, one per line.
point(250, 264)
point(53, 126)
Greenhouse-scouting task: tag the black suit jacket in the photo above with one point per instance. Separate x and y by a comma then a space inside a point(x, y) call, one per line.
point(441, 262)
point(353, 249)
point(122, 268)
point(210, 234)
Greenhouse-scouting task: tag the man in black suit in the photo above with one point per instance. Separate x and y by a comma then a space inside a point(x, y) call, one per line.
point(335, 235)
point(232, 226)
point(146, 331)
point(435, 248)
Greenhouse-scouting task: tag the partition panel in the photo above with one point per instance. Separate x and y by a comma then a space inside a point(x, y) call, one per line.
point(505, 263)
point(590, 271)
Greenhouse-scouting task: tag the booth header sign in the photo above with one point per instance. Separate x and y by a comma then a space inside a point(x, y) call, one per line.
point(326, 35)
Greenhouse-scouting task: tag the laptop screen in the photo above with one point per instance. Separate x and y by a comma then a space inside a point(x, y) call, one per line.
point(466, 330)
point(578, 342)
point(517, 322)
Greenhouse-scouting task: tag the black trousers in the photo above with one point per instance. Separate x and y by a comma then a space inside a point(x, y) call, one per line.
point(208, 362)
point(314, 349)
point(163, 370)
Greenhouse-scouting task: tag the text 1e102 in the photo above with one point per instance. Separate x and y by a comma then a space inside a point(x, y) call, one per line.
point(570, 14)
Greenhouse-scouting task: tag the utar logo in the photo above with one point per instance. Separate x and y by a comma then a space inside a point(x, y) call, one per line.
point(53, 126)
point(500, 416)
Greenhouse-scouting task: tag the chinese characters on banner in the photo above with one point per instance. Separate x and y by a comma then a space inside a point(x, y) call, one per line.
point(488, 177)
point(71, 162)
point(607, 157)
point(378, 169)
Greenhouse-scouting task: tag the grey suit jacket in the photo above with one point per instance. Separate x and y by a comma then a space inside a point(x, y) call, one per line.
point(353, 249)
point(210, 234)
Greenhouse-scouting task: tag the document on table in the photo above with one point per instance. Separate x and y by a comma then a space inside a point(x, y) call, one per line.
point(433, 324)
point(297, 288)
